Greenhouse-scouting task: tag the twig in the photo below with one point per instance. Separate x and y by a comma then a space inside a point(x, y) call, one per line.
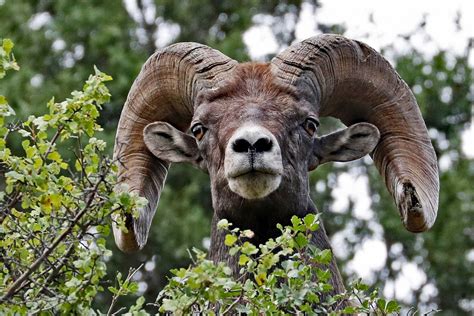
point(56, 269)
point(116, 296)
point(13, 201)
point(119, 310)
point(53, 140)
point(231, 306)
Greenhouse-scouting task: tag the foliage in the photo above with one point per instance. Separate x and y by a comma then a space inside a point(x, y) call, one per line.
point(286, 275)
point(55, 213)
point(7, 60)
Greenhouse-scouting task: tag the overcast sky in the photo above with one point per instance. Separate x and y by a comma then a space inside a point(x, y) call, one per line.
point(380, 23)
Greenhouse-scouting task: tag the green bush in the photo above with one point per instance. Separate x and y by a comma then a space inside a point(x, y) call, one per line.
point(55, 215)
point(286, 275)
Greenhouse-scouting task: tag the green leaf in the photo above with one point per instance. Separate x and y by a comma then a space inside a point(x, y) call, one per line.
point(381, 304)
point(324, 257)
point(296, 221)
point(301, 240)
point(36, 227)
point(234, 250)
point(243, 259)
point(349, 310)
point(392, 307)
point(323, 275)
point(25, 144)
point(7, 45)
point(37, 163)
point(249, 249)
point(136, 309)
point(230, 240)
point(113, 290)
point(309, 219)
point(55, 156)
point(261, 278)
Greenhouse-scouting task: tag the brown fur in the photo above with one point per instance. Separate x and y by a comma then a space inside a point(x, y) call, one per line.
point(252, 80)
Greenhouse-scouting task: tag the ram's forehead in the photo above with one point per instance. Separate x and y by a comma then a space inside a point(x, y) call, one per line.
point(251, 92)
point(244, 109)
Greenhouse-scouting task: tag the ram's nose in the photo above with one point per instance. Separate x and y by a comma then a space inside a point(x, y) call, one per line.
point(262, 144)
point(252, 138)
point(253, 162)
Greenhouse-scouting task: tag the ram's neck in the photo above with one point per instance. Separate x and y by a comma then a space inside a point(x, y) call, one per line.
point(219, 252)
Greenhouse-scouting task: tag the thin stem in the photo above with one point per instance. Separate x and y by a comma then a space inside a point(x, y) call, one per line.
point(53, 140)
point(56, 269)
point(7, 208)
point(231, 306)
point(117, 295)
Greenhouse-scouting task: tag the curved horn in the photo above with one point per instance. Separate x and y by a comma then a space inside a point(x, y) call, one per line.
point(349, 80)
point(165, 90)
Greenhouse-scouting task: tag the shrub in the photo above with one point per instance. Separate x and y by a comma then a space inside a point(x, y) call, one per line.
point(55, 213)
point(286, 275)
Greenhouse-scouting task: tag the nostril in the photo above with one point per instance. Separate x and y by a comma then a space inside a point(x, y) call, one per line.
point(263, 144)
point(241, 145)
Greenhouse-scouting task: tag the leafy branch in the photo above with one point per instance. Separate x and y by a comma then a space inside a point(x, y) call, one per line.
point(18, 284)
point(56, 208)
point(125, 287)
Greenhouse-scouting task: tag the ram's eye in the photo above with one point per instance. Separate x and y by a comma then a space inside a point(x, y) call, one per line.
point(198, 131)
point(311, 126)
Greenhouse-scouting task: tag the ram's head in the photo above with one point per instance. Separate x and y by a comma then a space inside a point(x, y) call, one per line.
point(253, 128)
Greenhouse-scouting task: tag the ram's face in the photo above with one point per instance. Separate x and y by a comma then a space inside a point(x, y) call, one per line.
point(257, 150)
point(254, 146)
point(257, 142)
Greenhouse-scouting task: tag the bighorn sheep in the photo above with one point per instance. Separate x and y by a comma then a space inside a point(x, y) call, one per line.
point(252, 127)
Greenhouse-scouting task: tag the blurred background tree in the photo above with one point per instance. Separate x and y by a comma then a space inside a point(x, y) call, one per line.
point(58, 42)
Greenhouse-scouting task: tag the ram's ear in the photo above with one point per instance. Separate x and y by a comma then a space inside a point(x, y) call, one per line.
point(169, 144)
point(348, 144)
